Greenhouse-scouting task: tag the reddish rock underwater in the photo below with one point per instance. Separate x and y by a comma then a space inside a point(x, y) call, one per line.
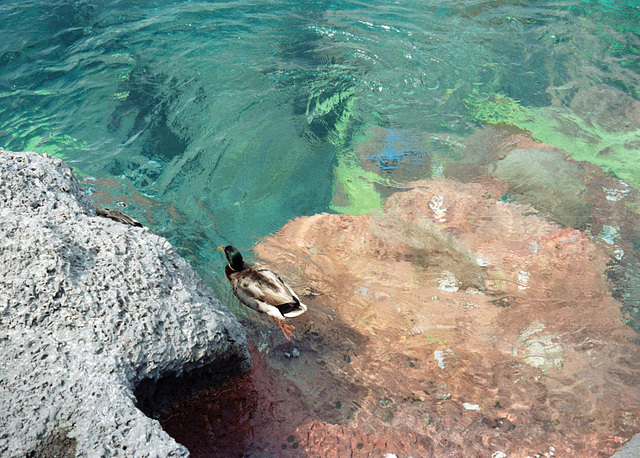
point(454, 323)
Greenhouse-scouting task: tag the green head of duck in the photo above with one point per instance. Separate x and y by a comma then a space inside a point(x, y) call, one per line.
point(233, 256)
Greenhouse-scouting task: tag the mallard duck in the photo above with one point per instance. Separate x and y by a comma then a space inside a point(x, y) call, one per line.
point(262, 289)
point(118, 216)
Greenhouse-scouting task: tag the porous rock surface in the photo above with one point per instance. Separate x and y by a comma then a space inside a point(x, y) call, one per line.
point(89, 308)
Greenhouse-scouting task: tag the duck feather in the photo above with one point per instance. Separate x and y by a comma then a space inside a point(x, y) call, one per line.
point(265, 291)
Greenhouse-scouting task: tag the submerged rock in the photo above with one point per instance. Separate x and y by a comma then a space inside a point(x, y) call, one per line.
point(453, 296)
point(90, 309)
point(461, 317)
point(608, 107)
point(546, 180)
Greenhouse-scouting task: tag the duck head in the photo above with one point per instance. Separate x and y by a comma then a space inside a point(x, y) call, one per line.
point(233, 256)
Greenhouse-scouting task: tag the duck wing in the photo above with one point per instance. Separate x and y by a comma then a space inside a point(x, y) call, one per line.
point(266, 286)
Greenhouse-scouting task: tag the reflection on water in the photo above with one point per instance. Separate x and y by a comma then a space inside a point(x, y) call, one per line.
point(452, 186)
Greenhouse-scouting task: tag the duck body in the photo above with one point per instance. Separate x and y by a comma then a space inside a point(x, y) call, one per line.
point(263, 290)
point(117, 215)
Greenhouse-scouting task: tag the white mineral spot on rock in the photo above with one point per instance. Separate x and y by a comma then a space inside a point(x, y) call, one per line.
point(448, 282)
point(523, 280)
point(609, 234)
point(293, 353)
point(539, 349)
point(468, 406)
point(442, 356)
point(615, 195)
point(534, 247)
point(439, 212)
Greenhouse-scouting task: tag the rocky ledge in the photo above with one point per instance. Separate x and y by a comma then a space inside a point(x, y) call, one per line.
point(90, 310)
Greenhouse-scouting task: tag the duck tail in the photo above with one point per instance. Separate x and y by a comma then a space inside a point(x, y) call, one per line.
point(292, 309)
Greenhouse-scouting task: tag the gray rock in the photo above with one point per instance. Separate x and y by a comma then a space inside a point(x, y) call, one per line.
point(629, 450)
point(90, 309)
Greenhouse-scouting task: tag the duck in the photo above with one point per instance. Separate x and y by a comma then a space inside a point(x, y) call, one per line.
point(118, 216)
point(262, 290)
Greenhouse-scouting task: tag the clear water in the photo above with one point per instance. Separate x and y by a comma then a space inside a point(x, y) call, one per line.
point(219, 122)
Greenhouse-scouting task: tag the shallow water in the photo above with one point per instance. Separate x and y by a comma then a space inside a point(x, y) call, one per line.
point(218, 123)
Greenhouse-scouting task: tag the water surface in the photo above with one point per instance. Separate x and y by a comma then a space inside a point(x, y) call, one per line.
point(219, 122)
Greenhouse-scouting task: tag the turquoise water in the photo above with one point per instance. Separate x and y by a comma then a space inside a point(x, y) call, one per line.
point(218, 122)
point(231, 114)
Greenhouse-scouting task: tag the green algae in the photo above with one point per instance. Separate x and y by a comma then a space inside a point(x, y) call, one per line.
point(358, 187)
point(55, 145)
point(38, 137)
point(496, 108)
point(318, 107)
point(616, 152)
point(435, 339)
point(353, 185)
